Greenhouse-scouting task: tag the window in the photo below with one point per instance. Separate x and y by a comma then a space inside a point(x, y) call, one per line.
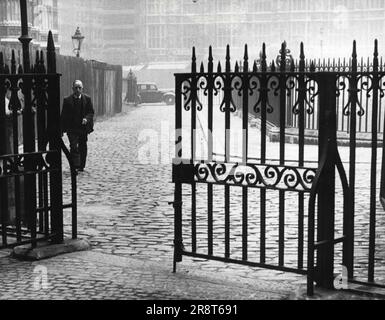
point(3, 11)
point(192, 35)
point(260, 6)
point(283, 5)
point(191, 7)
point(224, 35)
point(172, 6)
point(344, 3)
point(374, 4)
point(156, 36)
point(173, 36)
point(298, 5)
point(224, 6)
point(15, 11)
point(153, 7)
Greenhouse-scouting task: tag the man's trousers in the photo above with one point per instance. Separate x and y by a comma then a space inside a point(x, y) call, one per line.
point(78, 148)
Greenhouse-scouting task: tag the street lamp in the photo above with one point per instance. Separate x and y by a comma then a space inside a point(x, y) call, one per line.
point(77, 40)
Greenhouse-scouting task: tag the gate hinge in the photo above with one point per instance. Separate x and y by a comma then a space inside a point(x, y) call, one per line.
point(176, 204)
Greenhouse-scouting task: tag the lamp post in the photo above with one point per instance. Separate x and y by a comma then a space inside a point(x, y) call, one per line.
point(25, 39)
point(77, 40)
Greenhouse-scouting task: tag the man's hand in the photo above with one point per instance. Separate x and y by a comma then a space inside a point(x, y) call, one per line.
point(84, 121)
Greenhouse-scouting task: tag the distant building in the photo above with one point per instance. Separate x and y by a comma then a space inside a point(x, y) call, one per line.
point(129, 32)
point(109, 28)
point(87, 15)
point(42, 17)
point(121, 24)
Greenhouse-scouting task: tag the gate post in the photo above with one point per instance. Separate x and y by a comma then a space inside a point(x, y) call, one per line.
point(326, 198)
point(3, 151)
point(382, 185)
point(54, 137)
point(177, 204)
point(131, 93)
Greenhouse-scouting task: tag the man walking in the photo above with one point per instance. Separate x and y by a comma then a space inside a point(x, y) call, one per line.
point(77, 120)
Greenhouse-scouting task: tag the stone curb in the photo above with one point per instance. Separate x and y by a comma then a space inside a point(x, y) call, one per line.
point(255, 287)
point(45, 250)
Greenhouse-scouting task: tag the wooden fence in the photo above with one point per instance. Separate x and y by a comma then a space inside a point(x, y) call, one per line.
point(102, 82)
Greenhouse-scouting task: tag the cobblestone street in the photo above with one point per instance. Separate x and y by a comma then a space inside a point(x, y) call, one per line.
point(123, 211)
point(123, 203)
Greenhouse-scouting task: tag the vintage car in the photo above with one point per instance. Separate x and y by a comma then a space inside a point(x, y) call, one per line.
point(148, 92)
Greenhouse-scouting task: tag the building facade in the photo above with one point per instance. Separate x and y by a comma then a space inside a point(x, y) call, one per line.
point(42, 17)
point(327, 27)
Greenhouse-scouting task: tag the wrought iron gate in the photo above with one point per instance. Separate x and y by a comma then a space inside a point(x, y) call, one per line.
point(237, 231)
point(31, 186)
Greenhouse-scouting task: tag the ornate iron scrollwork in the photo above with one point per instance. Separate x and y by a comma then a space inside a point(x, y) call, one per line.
point(255, 86)
point(186, 93)
point(355, 86)
point(287, 54)
point(229, 96)
point(381, 86)
point(256, 175)
point(11, 165)
point(312, 89)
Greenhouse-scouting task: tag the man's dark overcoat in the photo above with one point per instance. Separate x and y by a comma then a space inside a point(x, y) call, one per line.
point(71, 117)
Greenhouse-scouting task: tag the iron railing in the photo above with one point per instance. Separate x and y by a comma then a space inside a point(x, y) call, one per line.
point(213, 95)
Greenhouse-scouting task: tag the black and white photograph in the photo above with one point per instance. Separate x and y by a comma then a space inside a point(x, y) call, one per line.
point(196, 156)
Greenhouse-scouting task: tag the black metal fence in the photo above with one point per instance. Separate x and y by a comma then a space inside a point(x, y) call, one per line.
point(31, 188)
point(364, 97)
point(301, 212)
point(365, 100)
